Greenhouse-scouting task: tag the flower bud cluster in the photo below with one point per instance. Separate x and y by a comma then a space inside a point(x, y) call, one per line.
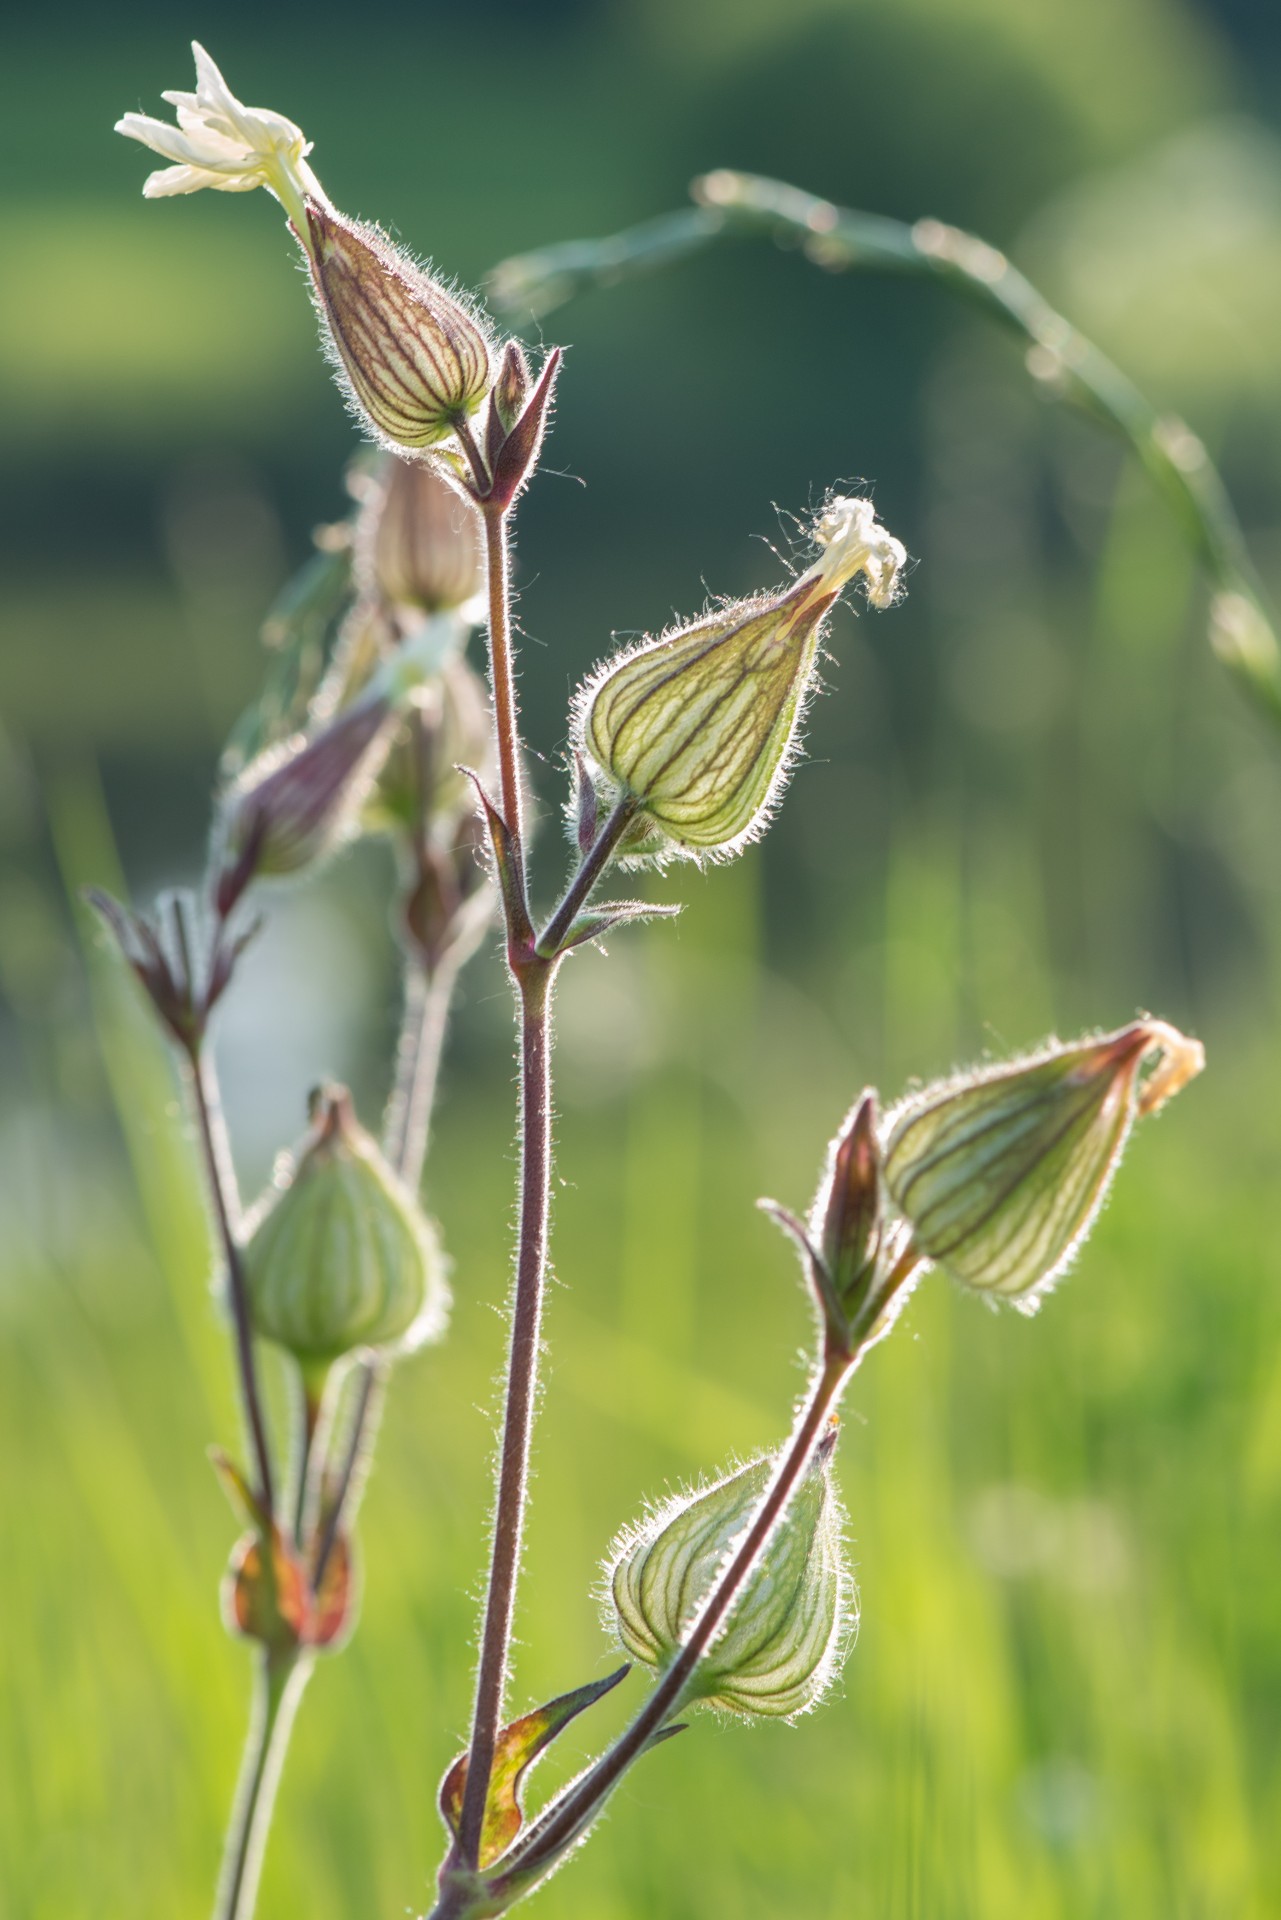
point(996, 1176)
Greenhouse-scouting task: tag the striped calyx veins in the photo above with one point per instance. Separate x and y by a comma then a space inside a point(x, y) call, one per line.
point(1000, 1173)
point(416, 362)
point(339, 1254)
point(780, 1645)
point(699, 726)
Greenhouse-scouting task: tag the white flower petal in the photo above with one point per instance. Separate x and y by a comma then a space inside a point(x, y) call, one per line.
point(170, 180)
point(218, 142)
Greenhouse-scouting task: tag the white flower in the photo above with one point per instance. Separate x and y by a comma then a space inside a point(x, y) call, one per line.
point(854, 541)
point(220, 143)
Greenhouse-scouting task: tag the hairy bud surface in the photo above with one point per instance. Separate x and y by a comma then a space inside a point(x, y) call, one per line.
point(779, 1649)
point(415, 361)
point(1000, 1173)
point(699, 727)
point(340, 1255)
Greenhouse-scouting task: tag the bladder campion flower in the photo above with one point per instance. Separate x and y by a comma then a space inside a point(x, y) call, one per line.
point(779, 1649)
point(1000, 1173)
point(339, 1254)
point(218, 142)
point(413, 359)
point(699, 726)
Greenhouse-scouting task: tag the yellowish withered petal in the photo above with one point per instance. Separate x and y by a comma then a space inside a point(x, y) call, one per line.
point(1000, 1173)
point(853, 542)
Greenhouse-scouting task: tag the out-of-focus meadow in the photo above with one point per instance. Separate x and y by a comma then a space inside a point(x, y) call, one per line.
point(1031, 802)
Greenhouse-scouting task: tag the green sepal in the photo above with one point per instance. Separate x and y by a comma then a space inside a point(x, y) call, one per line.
point(598, 921)
point(511, 881)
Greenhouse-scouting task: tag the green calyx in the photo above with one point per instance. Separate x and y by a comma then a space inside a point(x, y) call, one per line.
point(698, 726)
point(779, 1648)
point(1000, 1173)
point(341, 1256)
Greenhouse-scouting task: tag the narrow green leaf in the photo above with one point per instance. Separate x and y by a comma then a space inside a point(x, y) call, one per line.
point(603, 919)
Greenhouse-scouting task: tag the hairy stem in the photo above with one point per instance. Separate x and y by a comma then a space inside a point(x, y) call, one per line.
point(572, 1814)
point(594, 863)
point(569, 1817)
point(502, 671)
point(370, 1389)
point(535, 991)
point(418, 1051)
point(279, 1686)
point(209, 1123)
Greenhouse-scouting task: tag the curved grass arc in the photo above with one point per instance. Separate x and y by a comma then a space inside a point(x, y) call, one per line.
point(1064, 363)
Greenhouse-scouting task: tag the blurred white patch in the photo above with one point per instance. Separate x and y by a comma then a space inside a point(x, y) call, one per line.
point(1017, 1531)
point(611, 1023)
point(295, 1017)
point(1061, 1799)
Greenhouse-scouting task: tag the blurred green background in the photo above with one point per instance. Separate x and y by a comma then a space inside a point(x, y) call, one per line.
point(1031, 802)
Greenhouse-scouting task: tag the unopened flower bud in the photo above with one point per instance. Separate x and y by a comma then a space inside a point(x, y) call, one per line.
point(418, 541)
point(699, 727)
point(416, 362)
point(296, 802)
point(780, 1646)
point(511, 388)
point(449, 897)
point(848, 1211)
point(1001, 1172)
point(340, 1255)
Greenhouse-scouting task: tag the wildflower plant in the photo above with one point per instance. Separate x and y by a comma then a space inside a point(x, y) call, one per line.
point(734, 1594)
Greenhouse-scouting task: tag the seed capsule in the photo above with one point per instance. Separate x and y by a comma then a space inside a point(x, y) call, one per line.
point(780, 1648)
point(416, 362)
point(418, 541)
point(340, 1255)
point(1000, 1173)
point(699, 726)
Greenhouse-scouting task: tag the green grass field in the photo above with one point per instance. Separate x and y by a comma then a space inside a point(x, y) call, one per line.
point(1064, 1693)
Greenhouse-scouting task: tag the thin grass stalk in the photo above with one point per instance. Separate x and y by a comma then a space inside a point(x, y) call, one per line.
point(1065, 364)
